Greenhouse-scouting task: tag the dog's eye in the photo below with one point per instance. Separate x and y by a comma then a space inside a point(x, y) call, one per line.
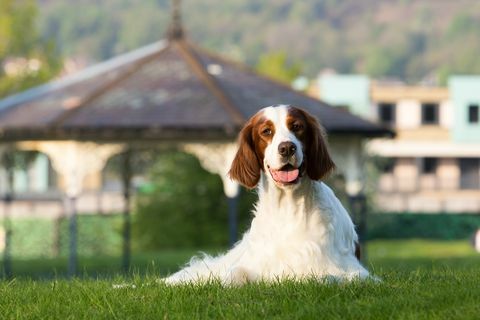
point(267, 131)
point(297, 127)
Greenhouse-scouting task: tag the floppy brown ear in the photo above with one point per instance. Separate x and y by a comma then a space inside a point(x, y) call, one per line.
point(246, 166)
point(318, 161)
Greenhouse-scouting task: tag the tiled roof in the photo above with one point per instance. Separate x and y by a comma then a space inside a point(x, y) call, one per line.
point(168, 90)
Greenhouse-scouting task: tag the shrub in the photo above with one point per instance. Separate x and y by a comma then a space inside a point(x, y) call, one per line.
point(185, 206)
point(98, 235)
point(46, 238)
point(32, 238)
point(416, 225)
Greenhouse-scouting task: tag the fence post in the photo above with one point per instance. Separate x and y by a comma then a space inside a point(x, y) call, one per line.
point(73, 230)
point(358, 205)
point(7, 222)
point(126, 179)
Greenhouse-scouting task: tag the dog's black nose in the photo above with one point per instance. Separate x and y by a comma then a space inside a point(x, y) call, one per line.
point(287, 149)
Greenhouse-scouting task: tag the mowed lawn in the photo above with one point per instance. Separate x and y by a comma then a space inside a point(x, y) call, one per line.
point(420, 280)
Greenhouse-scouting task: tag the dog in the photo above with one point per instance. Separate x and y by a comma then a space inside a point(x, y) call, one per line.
point(300, 230)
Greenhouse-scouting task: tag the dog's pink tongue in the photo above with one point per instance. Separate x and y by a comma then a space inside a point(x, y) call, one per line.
point(285, 176)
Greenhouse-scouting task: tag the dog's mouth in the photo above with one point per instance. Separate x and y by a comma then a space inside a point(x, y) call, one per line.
point(286, 175)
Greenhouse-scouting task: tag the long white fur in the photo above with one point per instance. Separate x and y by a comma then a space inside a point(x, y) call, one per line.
point(296, 233)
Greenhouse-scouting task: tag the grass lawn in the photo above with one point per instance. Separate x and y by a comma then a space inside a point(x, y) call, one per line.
point(421, 280)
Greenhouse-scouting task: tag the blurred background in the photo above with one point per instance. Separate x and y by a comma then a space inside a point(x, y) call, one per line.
point(93, 187)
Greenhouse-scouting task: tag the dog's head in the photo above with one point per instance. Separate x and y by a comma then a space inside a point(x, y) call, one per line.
point(284, 142)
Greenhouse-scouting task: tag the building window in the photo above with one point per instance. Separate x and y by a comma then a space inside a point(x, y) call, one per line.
point(429, 113)
point(473, 113)
point(469, 173)
point(388, 166)
point(429, 165)
point(384, 165)
point(386, 113)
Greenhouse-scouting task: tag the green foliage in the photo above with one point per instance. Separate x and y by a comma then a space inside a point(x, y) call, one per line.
point(462, 23)
point(276, 66)
point(32, 238)
point(98, 235)
point(379, 61)
point(416, 225)
point(34, 60)
point(187, 207)
point(401, 38)
point(18, 159)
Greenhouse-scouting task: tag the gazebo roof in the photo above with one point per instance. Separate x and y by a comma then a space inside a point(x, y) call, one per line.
point(167, 90)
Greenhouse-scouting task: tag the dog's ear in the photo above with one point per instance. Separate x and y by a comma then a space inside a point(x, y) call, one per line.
point(246, 166)
point(318, 161)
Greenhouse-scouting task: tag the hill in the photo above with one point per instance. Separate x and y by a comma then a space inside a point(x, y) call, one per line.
point(411, 40)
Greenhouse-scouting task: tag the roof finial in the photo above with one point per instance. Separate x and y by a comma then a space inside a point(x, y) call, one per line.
point(175, 30)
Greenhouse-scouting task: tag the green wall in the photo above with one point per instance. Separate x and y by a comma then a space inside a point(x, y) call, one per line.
point(464, 91)
point(347, 90)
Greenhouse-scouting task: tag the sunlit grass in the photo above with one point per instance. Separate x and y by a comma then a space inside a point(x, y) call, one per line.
point(420, 249)
point(420, 280)
point(443, 294)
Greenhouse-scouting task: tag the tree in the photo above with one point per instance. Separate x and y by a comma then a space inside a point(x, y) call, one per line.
point(26, 59)
point(276, 66)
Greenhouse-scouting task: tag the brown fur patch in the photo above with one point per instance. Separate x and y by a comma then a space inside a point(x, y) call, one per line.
point(248, 161)
point(317, 158)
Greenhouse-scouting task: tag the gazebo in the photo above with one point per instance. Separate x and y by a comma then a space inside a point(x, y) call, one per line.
point(168, 93)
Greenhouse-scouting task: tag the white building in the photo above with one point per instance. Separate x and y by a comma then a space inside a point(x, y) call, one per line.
point(433, 164)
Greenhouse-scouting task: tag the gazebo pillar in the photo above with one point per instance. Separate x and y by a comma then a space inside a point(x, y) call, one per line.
point(217, 158)
point(348, 155)
point(74, 161)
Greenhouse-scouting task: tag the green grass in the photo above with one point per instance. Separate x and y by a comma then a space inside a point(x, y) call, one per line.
point(420, 249)
point(411, 255)
point(421, 280)
point(161, 263)
point(439, 294)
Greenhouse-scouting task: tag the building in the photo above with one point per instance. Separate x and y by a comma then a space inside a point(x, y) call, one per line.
point(433, 164)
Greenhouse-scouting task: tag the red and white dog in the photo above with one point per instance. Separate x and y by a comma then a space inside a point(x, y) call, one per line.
point(300, 229)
